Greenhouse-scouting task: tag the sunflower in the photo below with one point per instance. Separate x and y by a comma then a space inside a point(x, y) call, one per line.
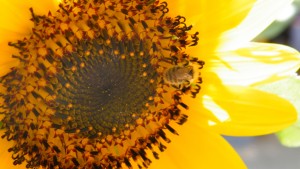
point(114, 83)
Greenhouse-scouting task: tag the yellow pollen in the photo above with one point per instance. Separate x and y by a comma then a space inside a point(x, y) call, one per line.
point(87, 53)
point(116, 52)
point(150, 117)
point(70, 105)
point(69, 48)
point(39, 99)
point(31, 69)
point(50, 112)
point(147, 105)
point(79, 34)
point(19, 97)
point(101, 52)
point(145, 74)
point(91, 33)
point(82, 65)
point(42, 51)
point(131, 54)
point(123, 56)
point(108, 41)
point(52, 70)
point(127, 132)
point(42, 82)
point(29, 88)
point(29, 106)
point(64, 26)
point(69, 118)
point(109, 138)
point(139, 121)
point(74, 68)
point(53, 97)
point(59, 52)
point(63, 128)
point(118, 141)
point(67, 85)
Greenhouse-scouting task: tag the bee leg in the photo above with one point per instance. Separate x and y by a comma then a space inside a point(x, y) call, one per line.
point(186, 63)
point(174, 60)
point(176, 86)
point(186, 83)
point(185, 89)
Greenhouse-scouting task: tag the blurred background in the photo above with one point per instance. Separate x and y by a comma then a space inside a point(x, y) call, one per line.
point(266, 152)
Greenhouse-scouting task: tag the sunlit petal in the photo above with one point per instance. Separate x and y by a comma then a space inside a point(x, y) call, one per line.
point(211, 19)
point(247, 111)
point(255, 63)
point(16, 16)
point(199, 148)
point(165, 161)
point(262, 15)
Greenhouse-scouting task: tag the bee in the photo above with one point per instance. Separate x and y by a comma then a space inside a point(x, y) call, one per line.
point(179, 75)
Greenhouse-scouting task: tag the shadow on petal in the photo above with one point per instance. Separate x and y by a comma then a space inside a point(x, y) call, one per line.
point(200, 148)
point(244, 111)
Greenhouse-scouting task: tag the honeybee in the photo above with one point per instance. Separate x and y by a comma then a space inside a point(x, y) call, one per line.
point(179, 75)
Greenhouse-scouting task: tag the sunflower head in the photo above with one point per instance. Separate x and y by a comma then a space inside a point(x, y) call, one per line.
point(99, 84)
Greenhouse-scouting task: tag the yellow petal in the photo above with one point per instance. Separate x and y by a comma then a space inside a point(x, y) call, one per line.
point(15, 16)
point(217, 14)
point(164, 161)
point(255, 63)
point(196, 148)
point(262, 15)
point(5, 66)
point(210, 19)
point(15, 24)
point(243, 111)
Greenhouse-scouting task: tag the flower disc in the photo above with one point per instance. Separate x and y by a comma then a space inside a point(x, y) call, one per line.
point(91, 91)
